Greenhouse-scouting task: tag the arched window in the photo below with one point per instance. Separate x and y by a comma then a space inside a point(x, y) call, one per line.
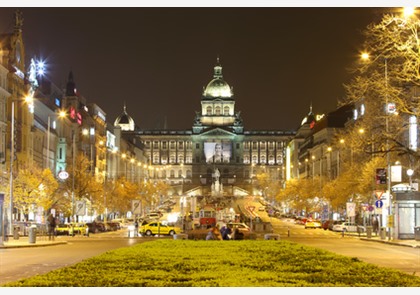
point(217, 110)
point(172, 174)
point(226, 111)
point(208, 110)
point(262, 159)
point(179, 173)
point(189, 173)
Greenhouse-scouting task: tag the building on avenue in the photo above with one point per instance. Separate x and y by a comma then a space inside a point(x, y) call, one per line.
point(217, 141)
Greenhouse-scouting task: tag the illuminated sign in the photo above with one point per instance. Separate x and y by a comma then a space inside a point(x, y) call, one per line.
point(102, 116)
point(392, 108)
point(72, 113)
point(57, 102)
point(79, 118)
point(19, 73)
point(217, 152)
point(63, 175)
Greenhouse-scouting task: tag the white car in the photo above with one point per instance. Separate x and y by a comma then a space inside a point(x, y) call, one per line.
point(241, 226)
point(347, 227)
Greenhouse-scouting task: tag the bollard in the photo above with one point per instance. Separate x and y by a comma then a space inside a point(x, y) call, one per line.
point(16, 233)
point(342, 233)
point(288, 232)
point(32, 235)
point(369, 232)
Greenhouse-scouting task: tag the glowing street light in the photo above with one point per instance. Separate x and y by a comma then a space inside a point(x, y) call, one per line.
point(29, 100)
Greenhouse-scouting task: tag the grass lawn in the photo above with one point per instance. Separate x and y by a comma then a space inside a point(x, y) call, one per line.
point(247, 263)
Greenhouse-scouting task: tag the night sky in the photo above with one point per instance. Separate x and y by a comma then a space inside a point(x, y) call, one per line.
point(279, 60)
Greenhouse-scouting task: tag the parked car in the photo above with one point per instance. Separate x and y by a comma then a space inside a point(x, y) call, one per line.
point(62, 229)
point(241, 226)
point(312, 223)
point(157, 227)
point(348, 227)
point(300, 220)
point(328, 224)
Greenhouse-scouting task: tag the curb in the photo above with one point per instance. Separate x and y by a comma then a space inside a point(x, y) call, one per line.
point(32, 245)
point(391, 243)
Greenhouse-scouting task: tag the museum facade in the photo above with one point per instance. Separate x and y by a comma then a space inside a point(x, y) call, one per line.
point(187, 159)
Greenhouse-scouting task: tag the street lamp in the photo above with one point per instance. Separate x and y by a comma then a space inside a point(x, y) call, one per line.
point(28, 100)
point(48, 142)
point(410, 173)
point(365, 56)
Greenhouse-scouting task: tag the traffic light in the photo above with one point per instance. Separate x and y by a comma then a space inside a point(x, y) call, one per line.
point(380, 176)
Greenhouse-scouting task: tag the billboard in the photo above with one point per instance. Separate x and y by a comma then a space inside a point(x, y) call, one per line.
point(217, 152)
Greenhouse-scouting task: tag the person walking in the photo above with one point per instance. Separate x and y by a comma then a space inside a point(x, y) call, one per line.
point(51, 227)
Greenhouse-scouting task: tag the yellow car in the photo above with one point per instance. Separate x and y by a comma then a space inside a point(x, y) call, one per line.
point(78, 229)
point(158, 228)
point(62, 229)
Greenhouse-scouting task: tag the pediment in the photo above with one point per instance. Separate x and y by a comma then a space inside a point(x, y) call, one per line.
point(218, 132)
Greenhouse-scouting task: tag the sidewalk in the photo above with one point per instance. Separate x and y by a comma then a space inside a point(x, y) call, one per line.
point(23, 242)
point(377, 238)
point(42, 241)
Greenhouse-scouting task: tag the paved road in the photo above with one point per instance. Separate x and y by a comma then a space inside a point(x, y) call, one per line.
point(406, 259)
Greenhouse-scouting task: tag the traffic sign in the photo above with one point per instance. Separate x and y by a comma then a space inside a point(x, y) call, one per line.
point(379, 204)
point(379, 194)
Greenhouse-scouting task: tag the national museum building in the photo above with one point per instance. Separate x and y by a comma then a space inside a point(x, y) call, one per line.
point(188, 159)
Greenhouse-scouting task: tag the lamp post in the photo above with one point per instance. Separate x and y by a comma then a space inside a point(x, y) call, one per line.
point(12, 156)
point(28, 100)
point(388, 166)
point(48, 142)
point(72, 185)
point(410, 173)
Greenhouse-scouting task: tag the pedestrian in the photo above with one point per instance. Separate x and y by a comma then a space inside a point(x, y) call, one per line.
point(375, 225)
point(136, 228)
point(237, 234)
point(51, 226)
point(227, 233)
point(213, 234)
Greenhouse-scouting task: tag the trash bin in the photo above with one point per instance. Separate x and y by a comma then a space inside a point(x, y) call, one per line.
point(383, 233)
point(369, 231)
point(16, 232)
point(32, 235)
point(417, 233)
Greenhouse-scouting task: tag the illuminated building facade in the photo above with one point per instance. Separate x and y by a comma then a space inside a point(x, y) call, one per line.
point(187, 159)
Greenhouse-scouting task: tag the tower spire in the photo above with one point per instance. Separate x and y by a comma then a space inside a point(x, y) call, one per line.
point(18, 21)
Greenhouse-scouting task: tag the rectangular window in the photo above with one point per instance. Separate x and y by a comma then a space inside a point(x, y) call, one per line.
point(237, 146)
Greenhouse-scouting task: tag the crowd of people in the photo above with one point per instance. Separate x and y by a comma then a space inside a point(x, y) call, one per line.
point(226, 232)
